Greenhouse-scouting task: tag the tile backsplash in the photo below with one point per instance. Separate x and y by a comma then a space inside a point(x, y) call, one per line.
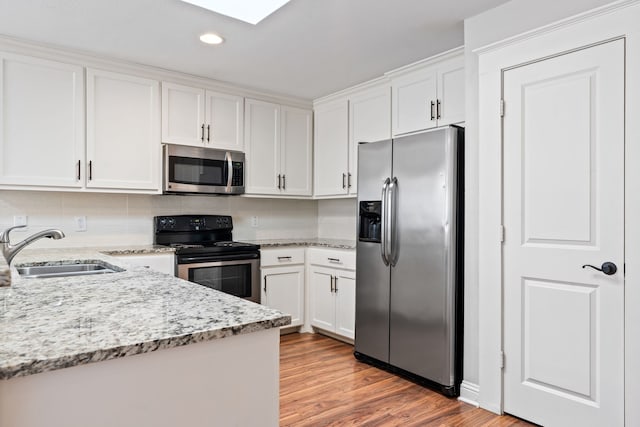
point(337, 219)
point(120, 219)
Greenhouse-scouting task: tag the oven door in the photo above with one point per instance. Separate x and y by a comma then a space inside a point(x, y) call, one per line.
point(202, 170)
point(238, 277)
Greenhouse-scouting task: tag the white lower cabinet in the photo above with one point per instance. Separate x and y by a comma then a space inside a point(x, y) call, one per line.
point(282, 279)
point(332, 289)
point(163, 263)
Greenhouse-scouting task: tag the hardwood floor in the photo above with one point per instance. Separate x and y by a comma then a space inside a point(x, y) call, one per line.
point(322, 384)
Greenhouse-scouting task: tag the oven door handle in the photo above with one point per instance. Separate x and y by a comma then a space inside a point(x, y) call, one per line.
point(216, 258)
point(229, 160)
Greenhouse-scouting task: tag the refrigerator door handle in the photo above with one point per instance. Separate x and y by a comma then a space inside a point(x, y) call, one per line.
point(383, 229)
point(392, 222)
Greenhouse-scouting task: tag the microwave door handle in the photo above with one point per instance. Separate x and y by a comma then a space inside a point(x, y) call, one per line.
point(227, 157)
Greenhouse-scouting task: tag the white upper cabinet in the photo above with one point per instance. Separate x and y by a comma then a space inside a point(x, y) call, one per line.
point(331, 148)
point(451, 83)
point(262, 141)
point(123, 131)
point(201, 118)
point(42, 122)
point(182, 114)
point(224, 121)
point(369, 121)
point(430, 95)
point(362, 116)
point(414, 102)
point(296, 151)
point(278, 149)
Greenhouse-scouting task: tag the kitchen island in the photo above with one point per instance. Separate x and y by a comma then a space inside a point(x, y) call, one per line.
point(169, 352)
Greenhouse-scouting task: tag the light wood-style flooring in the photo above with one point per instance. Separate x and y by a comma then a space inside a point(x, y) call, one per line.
point(322, 384)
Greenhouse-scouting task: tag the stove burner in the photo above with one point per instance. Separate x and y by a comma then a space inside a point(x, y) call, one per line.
point(184, 245)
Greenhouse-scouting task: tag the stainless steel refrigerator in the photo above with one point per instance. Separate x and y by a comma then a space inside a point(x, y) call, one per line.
point(409, 256)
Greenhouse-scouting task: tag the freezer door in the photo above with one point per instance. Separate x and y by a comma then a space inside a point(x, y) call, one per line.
point(372, 275)
point(423, 279)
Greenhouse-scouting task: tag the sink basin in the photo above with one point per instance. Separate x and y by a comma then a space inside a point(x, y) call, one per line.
point(65, 270)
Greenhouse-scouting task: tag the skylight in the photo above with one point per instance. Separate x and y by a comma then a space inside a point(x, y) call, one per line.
point(251, 11)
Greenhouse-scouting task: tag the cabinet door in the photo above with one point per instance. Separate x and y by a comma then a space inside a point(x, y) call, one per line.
point(283, 289)
point(123, 141)
point(331, 147)
point(414, 102)
point(182, 115)
point(296, 151)
point(451, 82)
point(224, 121)
point(262, 142)
point(41, 122)
point(369, 121)
point(345, 285)
point(322, 299)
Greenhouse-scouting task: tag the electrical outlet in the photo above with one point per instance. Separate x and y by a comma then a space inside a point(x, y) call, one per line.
point(80, 222)
point(254, 221)
point(20, 220)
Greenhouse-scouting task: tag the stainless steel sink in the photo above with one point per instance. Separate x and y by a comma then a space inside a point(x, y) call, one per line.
point(65, 270)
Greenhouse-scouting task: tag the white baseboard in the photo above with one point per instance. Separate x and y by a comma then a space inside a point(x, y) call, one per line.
point(469, 393)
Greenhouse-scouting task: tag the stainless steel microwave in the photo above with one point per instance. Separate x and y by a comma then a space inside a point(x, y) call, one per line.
point(195, 170)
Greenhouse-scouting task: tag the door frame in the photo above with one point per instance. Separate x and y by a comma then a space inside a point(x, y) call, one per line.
point(616, 20)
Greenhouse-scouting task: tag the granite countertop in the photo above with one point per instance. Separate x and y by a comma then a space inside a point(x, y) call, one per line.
point(5, 273)
point(54, 323)
point(326, 243)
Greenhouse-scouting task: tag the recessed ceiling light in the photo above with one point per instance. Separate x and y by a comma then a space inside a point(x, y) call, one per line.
point(211, 38)
point(251, 11)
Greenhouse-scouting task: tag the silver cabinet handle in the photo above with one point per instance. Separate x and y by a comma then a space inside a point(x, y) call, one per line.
point(383, 231)
point(279, 182)
point(349, 180)
point(331, 283)
point(333, 259)
point(265, 284)
point(335, 284)
point(391, 225)
point(229, 159)
point(431, 110)
point(90, 170)
point(283, 258)
point(78, 171)
point(202, 134)
point(438, 105)
point(344, 180)
point(284, 182)
point(208, 133)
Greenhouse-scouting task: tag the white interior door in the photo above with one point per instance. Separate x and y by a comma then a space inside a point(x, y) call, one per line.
point(563, 208)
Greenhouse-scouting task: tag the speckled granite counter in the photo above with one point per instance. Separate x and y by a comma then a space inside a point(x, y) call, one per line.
point(54, 323)
point(5, 273)
point(327, 243)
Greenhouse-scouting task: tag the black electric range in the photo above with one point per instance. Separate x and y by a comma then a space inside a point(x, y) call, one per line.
point(206, 253)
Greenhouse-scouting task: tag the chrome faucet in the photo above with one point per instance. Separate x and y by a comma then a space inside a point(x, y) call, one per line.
point(10, 251)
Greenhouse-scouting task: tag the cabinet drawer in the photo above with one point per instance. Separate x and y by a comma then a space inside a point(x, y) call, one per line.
point(283, 256)
point(333, 258)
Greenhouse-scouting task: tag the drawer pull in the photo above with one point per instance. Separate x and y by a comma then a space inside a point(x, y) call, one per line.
point(334, 260)
point(284, 258)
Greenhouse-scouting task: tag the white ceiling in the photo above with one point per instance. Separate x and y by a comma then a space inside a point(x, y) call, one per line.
point(308, 48)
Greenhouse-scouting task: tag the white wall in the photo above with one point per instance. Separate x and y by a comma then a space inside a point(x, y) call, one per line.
point(337, 219)
point(507, 20)
point(118, 219)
